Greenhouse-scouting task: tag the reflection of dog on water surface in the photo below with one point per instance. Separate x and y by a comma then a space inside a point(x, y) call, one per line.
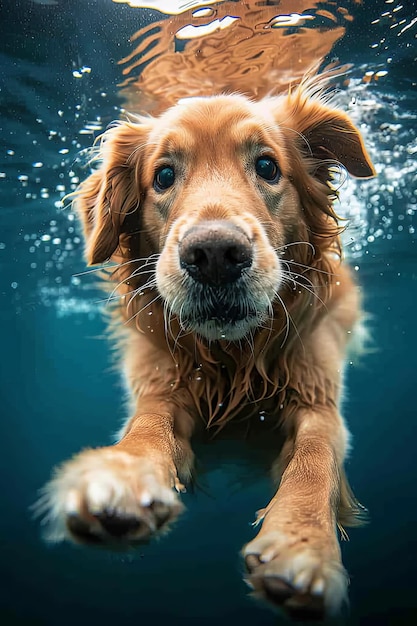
point(254, 48)
point(235, 309)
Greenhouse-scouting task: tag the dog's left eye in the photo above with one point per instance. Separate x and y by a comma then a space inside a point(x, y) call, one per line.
point(267, 169)
point(164, 178)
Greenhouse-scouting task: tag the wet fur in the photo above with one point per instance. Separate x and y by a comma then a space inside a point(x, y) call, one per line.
point(287, 363)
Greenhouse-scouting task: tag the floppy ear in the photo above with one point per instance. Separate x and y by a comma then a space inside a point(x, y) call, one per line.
point(328, 134)
point(112, 191)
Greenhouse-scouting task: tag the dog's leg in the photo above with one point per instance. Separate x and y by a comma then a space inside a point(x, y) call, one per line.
point(126, 493)
point(295, 561)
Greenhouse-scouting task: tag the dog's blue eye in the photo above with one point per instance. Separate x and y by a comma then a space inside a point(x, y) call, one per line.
point(164, 178)
point(267, 169)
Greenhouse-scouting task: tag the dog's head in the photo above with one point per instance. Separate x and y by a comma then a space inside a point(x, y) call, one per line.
point(227, 193)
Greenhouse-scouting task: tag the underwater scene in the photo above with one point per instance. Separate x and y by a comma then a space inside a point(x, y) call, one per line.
point(68, 70)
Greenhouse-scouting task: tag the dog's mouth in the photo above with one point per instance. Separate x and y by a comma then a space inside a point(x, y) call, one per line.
point(225, 313)
point(216, 306)
point(219, 313)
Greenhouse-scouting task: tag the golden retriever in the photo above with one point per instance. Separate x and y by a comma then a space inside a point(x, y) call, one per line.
point(234, 315)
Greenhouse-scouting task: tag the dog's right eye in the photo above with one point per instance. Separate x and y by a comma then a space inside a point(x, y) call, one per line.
point(164, 178)
point(267, 169)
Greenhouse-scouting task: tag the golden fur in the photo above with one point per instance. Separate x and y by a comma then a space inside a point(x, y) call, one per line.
point(283, 360)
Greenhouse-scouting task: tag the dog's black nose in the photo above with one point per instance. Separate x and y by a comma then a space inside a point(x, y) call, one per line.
point(215, 252)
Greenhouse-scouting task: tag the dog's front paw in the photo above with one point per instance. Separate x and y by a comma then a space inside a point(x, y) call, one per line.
point(108, 497)
point(300, 574)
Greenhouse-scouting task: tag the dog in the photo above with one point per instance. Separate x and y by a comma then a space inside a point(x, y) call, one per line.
point(234, 311)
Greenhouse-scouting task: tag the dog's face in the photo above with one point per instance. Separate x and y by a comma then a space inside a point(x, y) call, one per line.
point(218, 181)
point(222, 185)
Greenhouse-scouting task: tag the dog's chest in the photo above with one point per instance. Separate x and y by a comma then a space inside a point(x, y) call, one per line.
point(259, 425)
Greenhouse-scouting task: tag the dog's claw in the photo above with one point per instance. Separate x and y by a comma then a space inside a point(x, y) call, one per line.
point(108, 497)
point(307, 582)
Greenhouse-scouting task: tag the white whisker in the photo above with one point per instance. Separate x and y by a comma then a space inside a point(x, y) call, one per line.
point(157, 297)
point(116, 266)
point(308, 267)
point(312, 290)
point(133, 275)
point(114, 297)
point(168, 328)
point(296, 243)
point(102, 268)
point(287, 319)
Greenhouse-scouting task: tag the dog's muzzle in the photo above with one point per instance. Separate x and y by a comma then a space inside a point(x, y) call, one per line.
point(215, 252)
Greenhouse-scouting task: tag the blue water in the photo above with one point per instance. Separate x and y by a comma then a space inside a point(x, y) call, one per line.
point(59, 392)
